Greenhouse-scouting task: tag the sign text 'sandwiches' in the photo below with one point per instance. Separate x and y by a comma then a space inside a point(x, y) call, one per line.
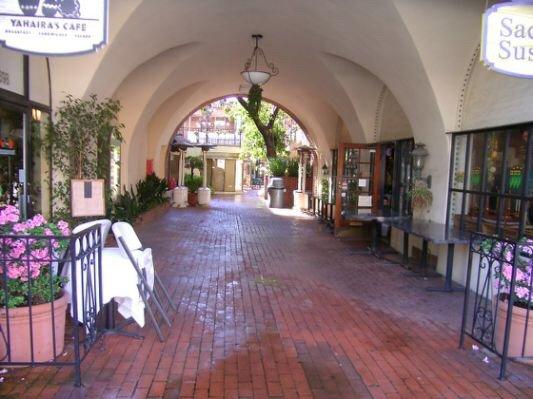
point(53, 27)
point(507, 42)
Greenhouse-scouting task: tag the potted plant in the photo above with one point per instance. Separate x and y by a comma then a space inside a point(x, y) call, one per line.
point(27, 249)
point(521, 330)
point(277, 166)
point(193, 183)
point(194, 162)
point(421, 197)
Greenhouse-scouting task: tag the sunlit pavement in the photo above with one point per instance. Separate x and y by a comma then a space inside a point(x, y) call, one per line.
point(271, 305)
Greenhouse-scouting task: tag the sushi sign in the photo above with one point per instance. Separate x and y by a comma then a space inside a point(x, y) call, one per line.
point(507, 38)
point(53, 27)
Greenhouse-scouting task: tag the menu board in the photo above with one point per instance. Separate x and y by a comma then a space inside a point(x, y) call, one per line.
point(87, 198)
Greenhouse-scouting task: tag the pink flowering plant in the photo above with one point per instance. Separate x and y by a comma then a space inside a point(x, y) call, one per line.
point(504, 253)
point(27, 250)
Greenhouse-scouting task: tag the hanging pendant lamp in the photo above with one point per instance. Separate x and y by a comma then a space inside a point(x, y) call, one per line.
point(257, 73)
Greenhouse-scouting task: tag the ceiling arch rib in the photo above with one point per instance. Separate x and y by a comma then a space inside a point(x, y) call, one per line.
point(295, 42)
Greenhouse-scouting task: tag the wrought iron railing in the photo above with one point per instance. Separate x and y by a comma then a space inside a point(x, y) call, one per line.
point(498, 307)
point(33, 280)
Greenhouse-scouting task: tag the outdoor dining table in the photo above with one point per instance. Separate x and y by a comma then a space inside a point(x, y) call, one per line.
point(436, 233)
point(119, 284)
point(376, 219)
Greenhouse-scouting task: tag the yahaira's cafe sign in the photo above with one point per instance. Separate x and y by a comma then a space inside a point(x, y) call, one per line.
point(53, 27)
point(507, 38)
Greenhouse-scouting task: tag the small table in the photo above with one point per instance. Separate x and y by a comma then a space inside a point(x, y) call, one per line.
point(437, 233)
point(376, 219)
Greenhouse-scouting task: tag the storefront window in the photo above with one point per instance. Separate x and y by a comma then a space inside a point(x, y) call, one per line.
point(11, 156)
point(496, 167)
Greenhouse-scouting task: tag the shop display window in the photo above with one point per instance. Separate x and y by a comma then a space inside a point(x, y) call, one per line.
point(491, 181)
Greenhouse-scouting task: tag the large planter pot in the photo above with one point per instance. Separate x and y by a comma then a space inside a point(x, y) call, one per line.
point(192, 199)
point(518, 329)
point(43, 344)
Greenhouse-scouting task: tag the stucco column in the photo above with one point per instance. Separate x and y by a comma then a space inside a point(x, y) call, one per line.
point(182, 167)
point(304, 169)
point(204, 182)
point(300, 171)
point(178, 182)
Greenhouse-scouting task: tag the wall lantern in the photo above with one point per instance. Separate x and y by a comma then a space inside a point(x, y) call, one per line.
point(36, 114)
point(325, 170)
point(254, 72)
point(418, 156)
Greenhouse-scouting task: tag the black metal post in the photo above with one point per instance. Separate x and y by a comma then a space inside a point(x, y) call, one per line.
point(466, 298)
point(405, 259)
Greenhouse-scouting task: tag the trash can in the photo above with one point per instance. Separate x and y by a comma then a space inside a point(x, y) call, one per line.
point(276, 188)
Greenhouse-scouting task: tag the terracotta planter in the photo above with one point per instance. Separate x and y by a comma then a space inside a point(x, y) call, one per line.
point(192, 199)
point(19, 330)
point(518, 329)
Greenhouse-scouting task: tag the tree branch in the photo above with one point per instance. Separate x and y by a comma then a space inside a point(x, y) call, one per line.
point(244, 104)
point(273, 118)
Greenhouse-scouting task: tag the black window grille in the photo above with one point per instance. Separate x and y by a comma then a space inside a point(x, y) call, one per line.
point(491, 181)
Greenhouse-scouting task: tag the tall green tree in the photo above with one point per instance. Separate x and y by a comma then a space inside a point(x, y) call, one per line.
point(264, 119)
point(253, 144)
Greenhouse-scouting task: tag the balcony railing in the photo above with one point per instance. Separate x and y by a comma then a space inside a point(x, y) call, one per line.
point(215, 137)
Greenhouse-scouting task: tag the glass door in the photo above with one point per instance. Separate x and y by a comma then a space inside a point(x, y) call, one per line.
point(356, 182)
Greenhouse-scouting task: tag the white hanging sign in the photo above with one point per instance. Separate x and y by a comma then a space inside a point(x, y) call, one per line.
point(53, 27)
point(507, 38)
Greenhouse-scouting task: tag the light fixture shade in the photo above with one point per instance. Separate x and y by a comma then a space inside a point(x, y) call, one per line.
point(418, 154)
point(256, 77)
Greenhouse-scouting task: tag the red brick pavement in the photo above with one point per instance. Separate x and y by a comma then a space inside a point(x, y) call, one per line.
point(275, 307)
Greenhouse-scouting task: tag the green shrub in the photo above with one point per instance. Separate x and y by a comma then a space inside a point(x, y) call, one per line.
point(292, 167)
point(193, 183)
point(126, 207)
point(151, 192)
point(194, 162)
point(148, 193)
point(277, 166)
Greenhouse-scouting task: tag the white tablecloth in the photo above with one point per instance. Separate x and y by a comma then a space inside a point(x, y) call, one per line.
point(119, 282)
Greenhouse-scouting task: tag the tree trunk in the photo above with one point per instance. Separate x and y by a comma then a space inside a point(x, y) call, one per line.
point(265, 130)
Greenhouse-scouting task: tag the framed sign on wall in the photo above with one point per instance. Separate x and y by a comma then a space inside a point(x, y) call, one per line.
point(54, 27)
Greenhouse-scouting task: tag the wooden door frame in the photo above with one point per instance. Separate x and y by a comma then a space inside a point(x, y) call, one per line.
point(375, 178)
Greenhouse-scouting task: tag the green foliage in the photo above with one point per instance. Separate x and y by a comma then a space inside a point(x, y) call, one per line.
point(292, 167)
point(79, 146)
point(44, 288)
point(253, 144)
point(255, 97)
point(277, 166)
point(148, 194)
point(325, 189)
point(194, 162)
point(126, 207)
point(193, 183)
point(420, 195)
point(151, 192)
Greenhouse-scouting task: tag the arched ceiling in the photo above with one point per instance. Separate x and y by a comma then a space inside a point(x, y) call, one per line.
point(336, 59)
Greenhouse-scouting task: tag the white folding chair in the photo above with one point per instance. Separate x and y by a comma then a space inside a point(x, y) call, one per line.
point(149, 281)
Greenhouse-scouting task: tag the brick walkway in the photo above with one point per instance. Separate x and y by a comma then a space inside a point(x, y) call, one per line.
point(275, 307)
